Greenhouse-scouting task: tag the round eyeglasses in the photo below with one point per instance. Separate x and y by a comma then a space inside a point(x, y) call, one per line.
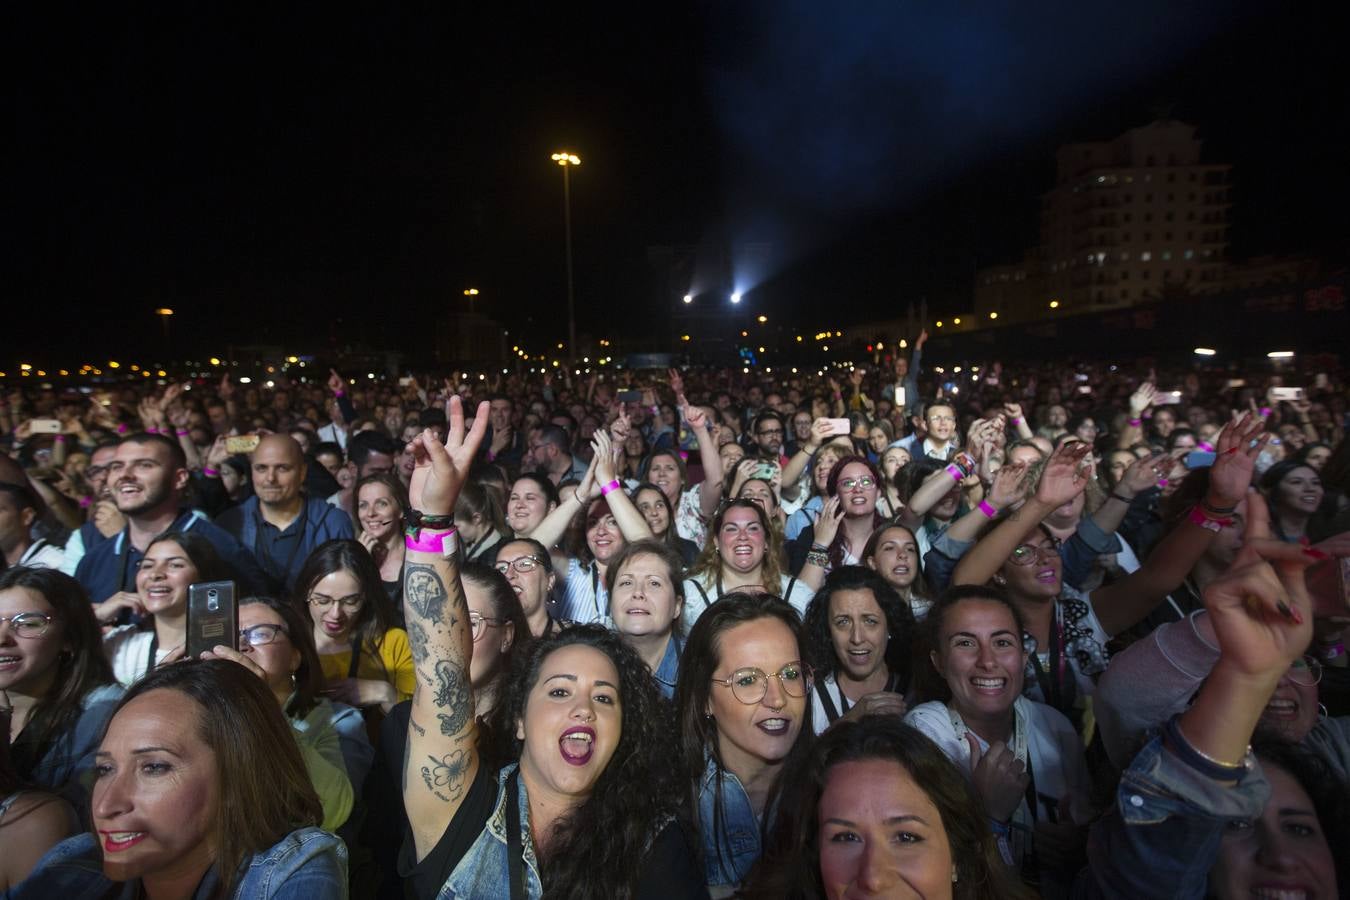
point(1305, 671)
point(523, 565)
point(750, 685)
point(865, 482)
point(27, 624)
point(351, 601)
point(260, 635)
point(478, 625)
point(1030, 554)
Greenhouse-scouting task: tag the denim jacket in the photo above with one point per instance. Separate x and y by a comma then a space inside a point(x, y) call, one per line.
point(668, 672)
point(66, 767)
point(1163, 836)
point(305, 863)
point(483, 872)
point(731, 845)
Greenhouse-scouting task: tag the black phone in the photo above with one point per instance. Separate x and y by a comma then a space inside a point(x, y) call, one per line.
point(212, 617)
point(630, 396)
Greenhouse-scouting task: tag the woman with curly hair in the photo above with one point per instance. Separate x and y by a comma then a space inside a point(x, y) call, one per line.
point(858, 638)
point(588, 808)
point(876, 802)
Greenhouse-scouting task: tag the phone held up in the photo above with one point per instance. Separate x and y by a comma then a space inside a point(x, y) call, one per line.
point(212, 617)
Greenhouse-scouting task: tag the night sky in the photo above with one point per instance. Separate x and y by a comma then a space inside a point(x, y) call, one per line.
point(301, 176)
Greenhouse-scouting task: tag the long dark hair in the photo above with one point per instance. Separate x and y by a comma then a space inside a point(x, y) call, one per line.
point(930, 685)
point(204, 556)
point(505, 605)
point(899, 622)
point(918, 588)
point(698, 731)
point(596, 849)
point(790, 866)
point(836, 550)
point(263, 787)
point(671, 534)
point(300, 632)
point(375, 618)
point(709, 559)
point(1329, 794)
point(80, 668)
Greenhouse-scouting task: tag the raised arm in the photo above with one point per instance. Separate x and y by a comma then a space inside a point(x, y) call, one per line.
point(1140, 400)
point(936, 486)
point(554, 526)
point(710, 488)
point(1123, 603)
point(441, 759)
point(792, 472)
point(1142, 474)
point(632, 524)
point(1062, 479)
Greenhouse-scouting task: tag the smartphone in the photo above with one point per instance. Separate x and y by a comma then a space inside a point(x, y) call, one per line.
point(1320, 381)
point(212, 617)
point(1081, 376)
point(839, 426)
point(899, 395)
point(1199, 459)
point(1329, 588)
point(404, 382)
point(1278, 394)
point(1084, 389)
point(1167, 398)
point(46, 426)
point(630, 396)
point(241, 443)
point(766, 471)
point(1236, 383)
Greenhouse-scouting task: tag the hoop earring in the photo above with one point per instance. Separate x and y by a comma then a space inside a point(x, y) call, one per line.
point(1322, 712)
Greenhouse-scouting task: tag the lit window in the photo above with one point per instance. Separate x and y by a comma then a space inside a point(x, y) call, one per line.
point(1167, 254)
point(1145, 256)
point(1190, 254)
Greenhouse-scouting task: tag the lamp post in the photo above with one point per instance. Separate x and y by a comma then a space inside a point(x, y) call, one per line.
point(164, 312)
point(567, 161)
point(471, 293)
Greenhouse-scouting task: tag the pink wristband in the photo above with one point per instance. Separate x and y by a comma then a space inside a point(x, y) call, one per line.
point(1016, 420)
point(59, 438)
point(122, 428)
point(182, 432)
point(957, 475)
point(988, 510)
point(612, 486)
point(427, 542)
point(210, 473)
point(152, 431)
point(1206, 446)
point(339, 393)
point(1135, 422)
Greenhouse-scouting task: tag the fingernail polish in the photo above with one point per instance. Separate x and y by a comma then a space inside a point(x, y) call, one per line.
point(1315, 553)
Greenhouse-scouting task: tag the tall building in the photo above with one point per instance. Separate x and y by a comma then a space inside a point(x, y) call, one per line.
point(1129, 221)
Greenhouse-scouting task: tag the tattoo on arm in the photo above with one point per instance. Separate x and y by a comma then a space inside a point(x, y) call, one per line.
point(421, 732)
point(452, 693)
point(446, 773)
point(417, 636)
point(424, 591)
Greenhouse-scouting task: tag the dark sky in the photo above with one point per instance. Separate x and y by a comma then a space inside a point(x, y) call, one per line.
point(287, 175)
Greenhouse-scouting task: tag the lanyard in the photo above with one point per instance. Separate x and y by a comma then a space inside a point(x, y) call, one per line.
point(595, 590)
point(1059, 692)
point(515, 848)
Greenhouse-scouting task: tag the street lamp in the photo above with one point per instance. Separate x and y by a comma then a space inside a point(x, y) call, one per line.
point(567, 161)
point(471, 293)
point(736, 297)
point(164, 313)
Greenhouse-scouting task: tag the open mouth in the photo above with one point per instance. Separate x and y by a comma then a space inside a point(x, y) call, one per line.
point(10, 663)
point(776, 727)
point(1047, 576)
point(987, 685)
point(577, 745)
point(1280, 708)
point(114, 841)
point(334, 627)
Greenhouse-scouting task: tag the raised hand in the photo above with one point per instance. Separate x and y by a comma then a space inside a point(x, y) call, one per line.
point(1142, 399)
point(1010, 484)
point(335, 381)
point(603, 458)
point(677, 384)
point(1064, 476)
point(1144, 473)
point(696, 417)
point(827, 524)
point(1236, 449)
point(439, 470)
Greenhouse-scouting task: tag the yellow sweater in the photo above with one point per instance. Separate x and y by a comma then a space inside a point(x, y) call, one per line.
point(395, 654)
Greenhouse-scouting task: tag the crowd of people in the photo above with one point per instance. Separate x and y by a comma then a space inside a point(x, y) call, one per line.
point(1070, 630)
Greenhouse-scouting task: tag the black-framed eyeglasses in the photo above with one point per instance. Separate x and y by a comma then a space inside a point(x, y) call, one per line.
point(351, 601)
point(28, 624)
point(260, 635)
point(94, 471)
point(750, 685)
point(1030, 554)
point(522, 564)
point(478, 625)
point(767, 432)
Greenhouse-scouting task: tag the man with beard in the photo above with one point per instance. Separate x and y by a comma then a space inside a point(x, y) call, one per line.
point(104, 519)
point(280, 524)
point(148, 476)
point(767, 433)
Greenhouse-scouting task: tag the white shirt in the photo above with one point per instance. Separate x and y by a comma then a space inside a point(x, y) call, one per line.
point(128, 649)
point(794, 591)
point(42, 555)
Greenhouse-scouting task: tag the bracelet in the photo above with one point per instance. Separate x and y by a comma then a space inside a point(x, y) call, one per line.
point(417, 520)
point(957, 473)
point(815, 558)
point(1331, 651)
point(988, 510)
point(1205, 520)
point(210, 473)
point(152, 431)
point(1218, 510)
point(339, 393)
point(1205, 446)
point(121, 427)
point(1198, 759)
point(608, 488)
point(443, 543)
point(1015, 421)
point(820, 548)
point(1125, 500)
point(1135, 423)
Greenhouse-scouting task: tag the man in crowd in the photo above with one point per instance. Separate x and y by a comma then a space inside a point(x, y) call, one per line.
point(767, 433)
point(503, 445)
point(105, 520)
point(368, 453)
point(939, 438)
point(552, 456)
point(18, 511)
point(281, 524)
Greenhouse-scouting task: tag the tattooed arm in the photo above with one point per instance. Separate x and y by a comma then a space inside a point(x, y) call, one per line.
point(441, 759)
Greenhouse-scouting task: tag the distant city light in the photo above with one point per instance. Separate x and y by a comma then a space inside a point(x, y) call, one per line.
point(688, 298)
point(1054, 304)
point(1204, 351)
point(1280, 354)
point(736, 297)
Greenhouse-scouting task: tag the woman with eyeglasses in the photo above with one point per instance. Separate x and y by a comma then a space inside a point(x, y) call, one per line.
point(742, 716)
point(743, 555)
point(173, 561)
point(54, 678)
point(847, 520)
point(1024, 758)
point(497, 625)
point(528, 568)
point(1070, 629)
point(366, 660)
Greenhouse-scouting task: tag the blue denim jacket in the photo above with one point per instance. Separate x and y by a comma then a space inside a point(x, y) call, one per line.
point(304, 864)
point(730, 845)
point(668, 672)
point(483, 872)
point(67, 766)
point(1163, 836)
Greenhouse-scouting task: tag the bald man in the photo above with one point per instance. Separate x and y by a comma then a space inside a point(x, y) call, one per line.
point(279, 524)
